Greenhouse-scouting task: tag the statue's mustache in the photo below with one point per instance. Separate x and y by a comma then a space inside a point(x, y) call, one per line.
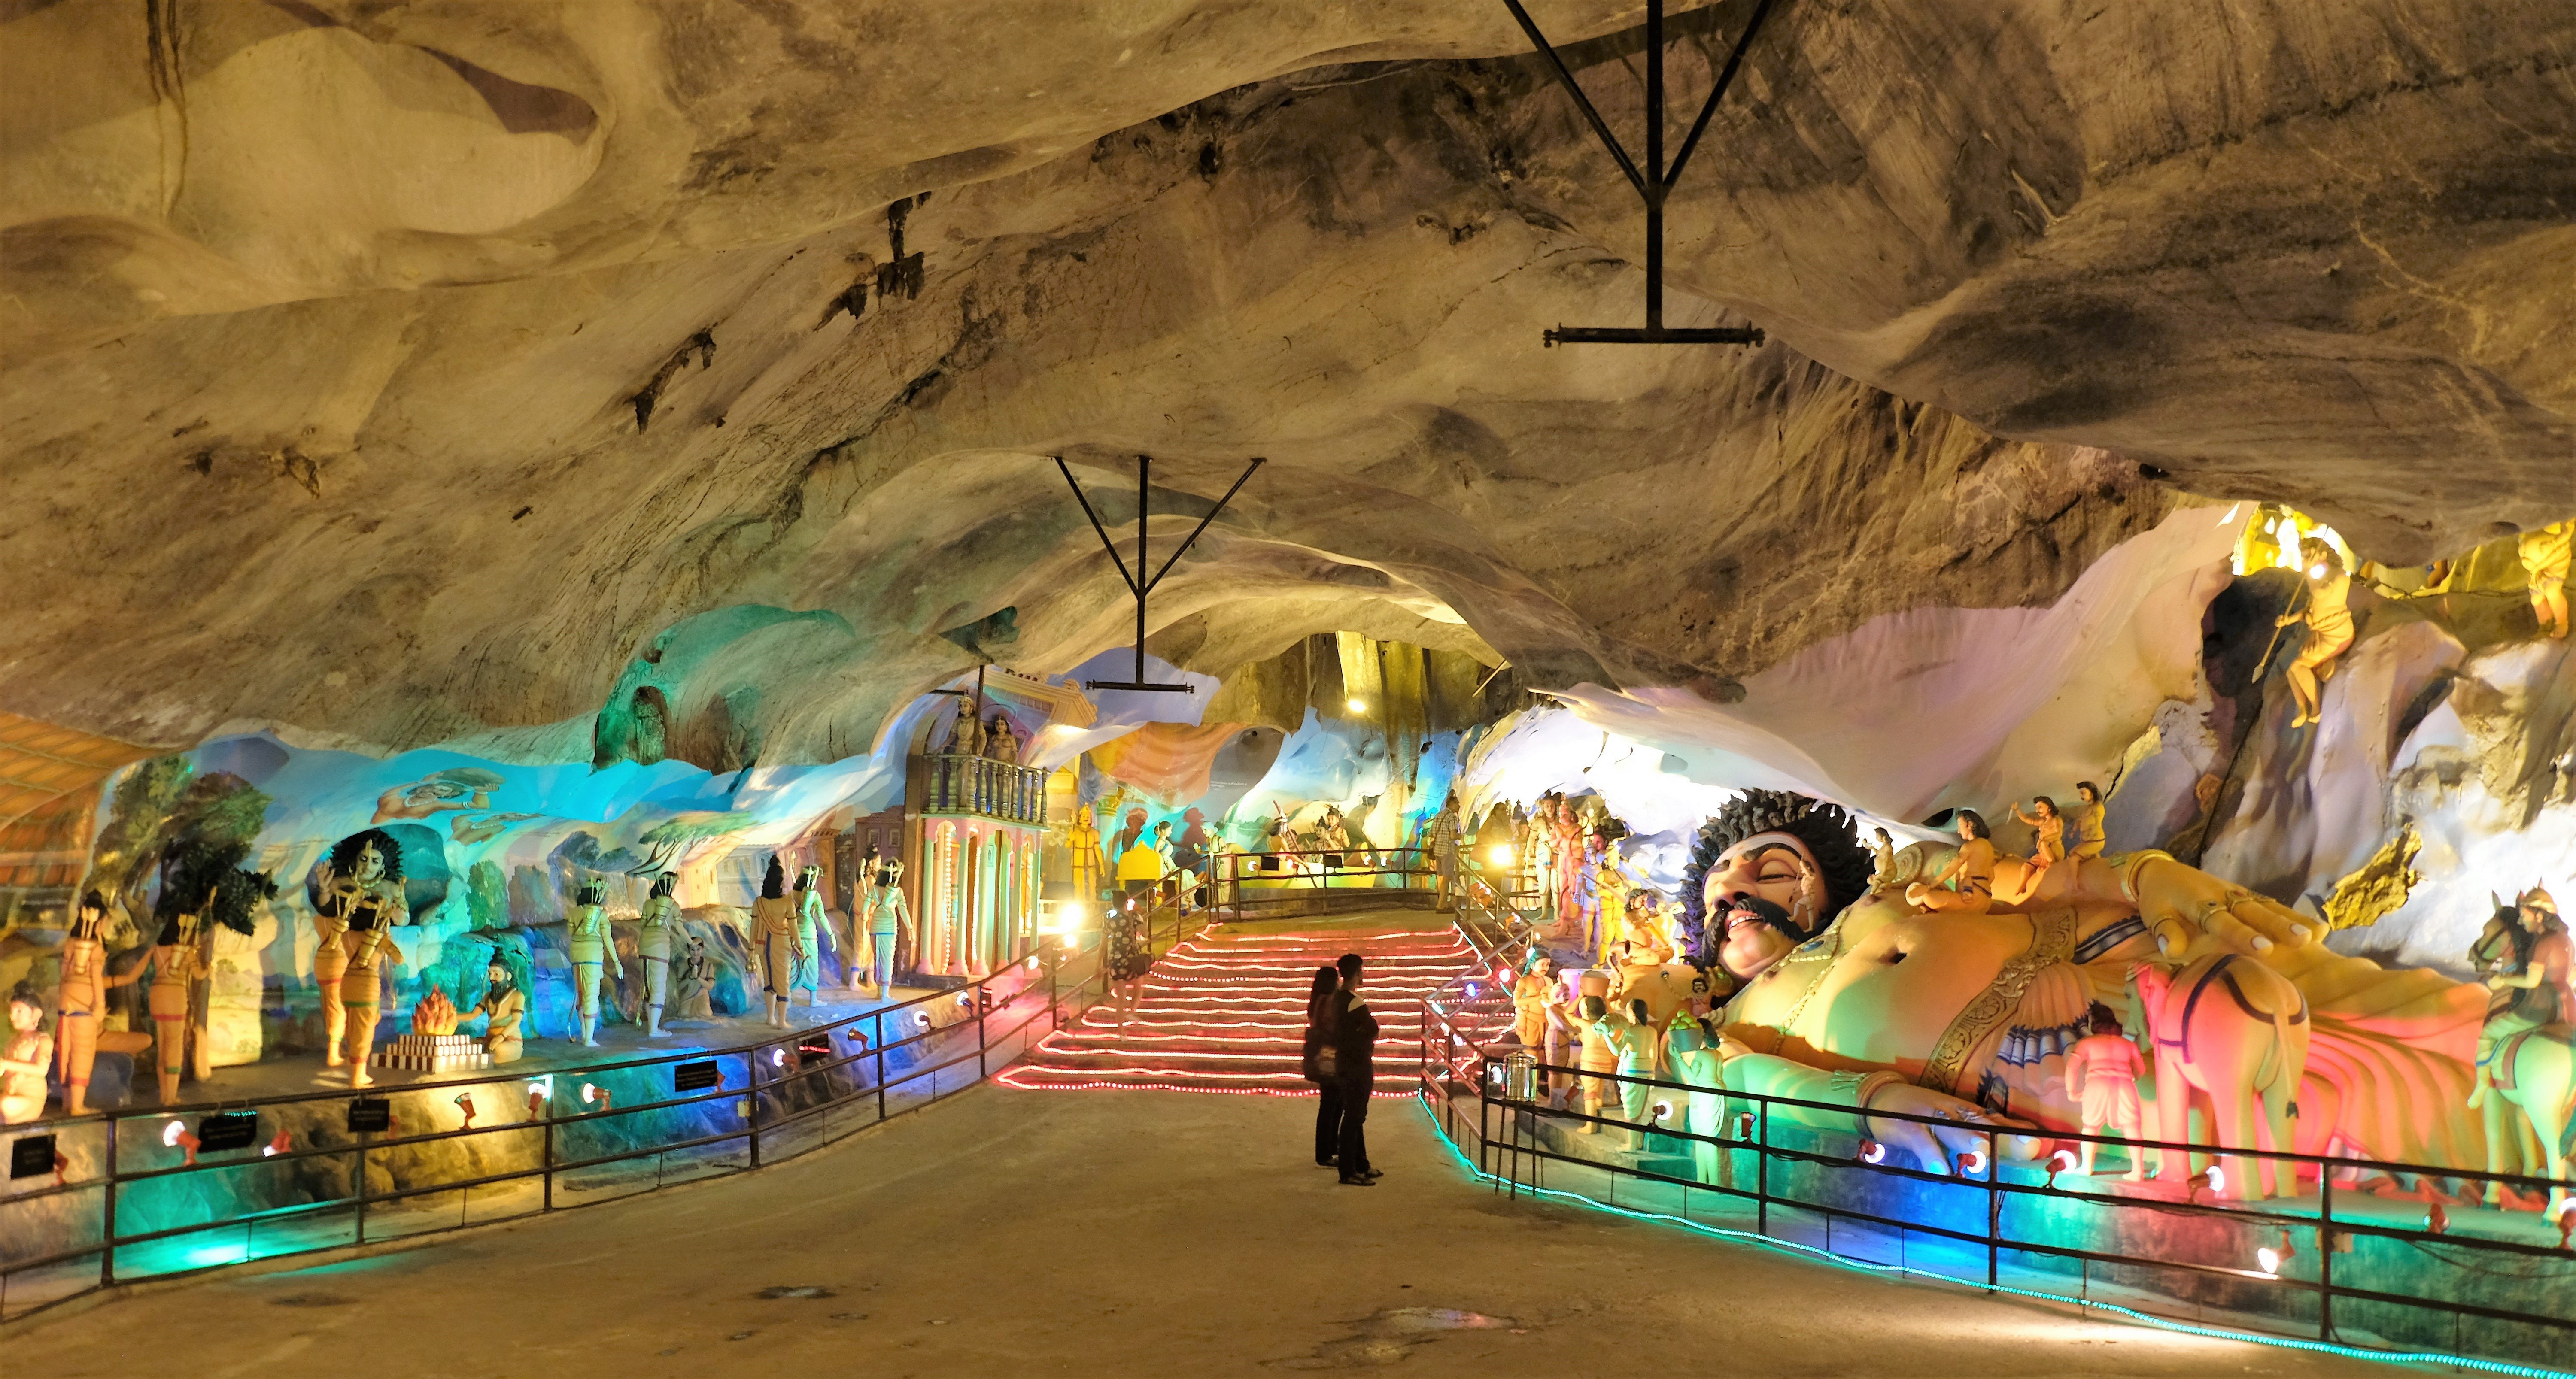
point(1758, 908)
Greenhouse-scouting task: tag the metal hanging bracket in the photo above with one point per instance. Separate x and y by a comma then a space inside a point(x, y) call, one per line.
point(1137, 582)
point(1653, 183)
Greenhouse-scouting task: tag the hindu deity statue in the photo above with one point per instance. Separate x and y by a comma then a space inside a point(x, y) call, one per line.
point(1082, 847)
point(360, 900)
point(812, 928)
point(2545, 556)
point(694, 984)
point(1000, 742)
point(1539, 852)
point(1692, 1049)
point(592, 950)
point(81, 1001)
point(1864, 1002)
point(178, 962)
point(362, 877)
point(25, 1061)
point(773, 933)
point(967, 739)
point(2524, 957)
point(2091, 836)
point(2049, 847)
point(882, 878)
point(1566, 850)
point(2102, 1072)
point(1532, 992)
point(1967, 884)
point(2329, 623)
point(653, 926)
point(2527, 1049)
point(1594, 1053)
point(1637, 1050)
point(504, 1011)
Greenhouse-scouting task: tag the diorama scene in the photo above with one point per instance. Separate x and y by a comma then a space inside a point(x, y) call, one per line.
point(1874, 689)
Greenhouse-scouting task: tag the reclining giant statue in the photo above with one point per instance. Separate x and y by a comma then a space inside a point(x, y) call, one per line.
point(1847, 995)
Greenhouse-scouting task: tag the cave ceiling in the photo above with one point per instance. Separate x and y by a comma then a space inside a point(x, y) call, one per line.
point(398, 373)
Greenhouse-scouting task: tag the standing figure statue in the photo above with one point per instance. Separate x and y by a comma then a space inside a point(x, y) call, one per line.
point(2091, 836)
point(1967, 885)
point(361, 897)
point(887, 920)
point(2048, 847)
point(1567, 850)
point(504, 1011)
point(968, 738)
point(1539, 851)
point(591, 949)
point(177, 963)
point(1693, 1049)
point(812, 928)
point(2545, 558)
point(1000, 742)
point(1532, 992)
point(1082, 844)
point(2102, 1071)
point(1444, 845)
point(1595, 1054)
point(653, 928)
point(81, 1000)
point(25, 1061)
point(694, 984)
point(362, 876)
point(2329, 623)
point(773, 933)
point(1637, 1052)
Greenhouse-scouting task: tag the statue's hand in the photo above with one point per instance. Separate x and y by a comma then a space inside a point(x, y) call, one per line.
point(1938, 1147)
point(2193, 913)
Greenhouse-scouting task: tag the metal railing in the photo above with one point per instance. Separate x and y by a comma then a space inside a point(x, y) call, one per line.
point(314, 1180)
point(1252, 885)
point(2371, 1277)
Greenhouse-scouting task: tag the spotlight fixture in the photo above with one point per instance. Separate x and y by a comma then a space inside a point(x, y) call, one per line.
point(2437, 1220)
point(280, 1145)
point(1872, 1152)
point(2271, 1259)
point(465, 1103)
point(1973, 1162)
point(1744, 1125)
point(591, 1093)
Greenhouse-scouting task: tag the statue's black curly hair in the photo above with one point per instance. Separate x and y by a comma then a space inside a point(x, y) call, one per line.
point(773, 884)
point(344, 855)
point(1827, 831)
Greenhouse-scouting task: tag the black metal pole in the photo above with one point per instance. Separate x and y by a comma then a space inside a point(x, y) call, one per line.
point(1654, 187)
point(1144, 466)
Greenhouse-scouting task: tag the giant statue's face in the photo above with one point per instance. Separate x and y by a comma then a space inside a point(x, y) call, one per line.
point(1774, 867)
point(371, 863)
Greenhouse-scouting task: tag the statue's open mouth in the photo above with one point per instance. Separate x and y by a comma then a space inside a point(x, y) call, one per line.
point(1742, 908)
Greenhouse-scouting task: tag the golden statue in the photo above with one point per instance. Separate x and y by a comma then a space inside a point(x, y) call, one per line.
point(81, 1001)
point(362, 880)
point(24, 1062)
point(1966, 886)
point(2329, 623)
point(2545, 557)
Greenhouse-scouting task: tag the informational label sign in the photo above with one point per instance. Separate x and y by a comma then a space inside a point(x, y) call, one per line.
point(370, 1115)
point(232, 1130)
point(31, 1155)
point(696, 1077)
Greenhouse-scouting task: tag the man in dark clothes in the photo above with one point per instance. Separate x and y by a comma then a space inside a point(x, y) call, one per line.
point(1354, 1063)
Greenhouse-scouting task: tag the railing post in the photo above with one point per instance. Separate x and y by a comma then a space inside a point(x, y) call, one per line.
point(362, 1186)
point(2325, 1249)
point(983, 989)
point(879, 1016)
point(549, 1150)
point(1994, 1206)
point(1762, 1169)
point(755, 1103)
point(107, 1226)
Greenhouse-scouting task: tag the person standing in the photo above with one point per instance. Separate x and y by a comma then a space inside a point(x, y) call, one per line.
point(2090, 835)
point(1354, 1035)
point(1318, 1066)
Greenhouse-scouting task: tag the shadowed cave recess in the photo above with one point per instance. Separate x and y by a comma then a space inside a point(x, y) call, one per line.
point(527, 467)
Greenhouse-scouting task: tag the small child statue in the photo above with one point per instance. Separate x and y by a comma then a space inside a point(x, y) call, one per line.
point(2102, 1074)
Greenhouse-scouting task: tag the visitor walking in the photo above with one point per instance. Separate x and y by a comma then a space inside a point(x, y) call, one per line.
point(1354, 1034)
point(1319, 1063)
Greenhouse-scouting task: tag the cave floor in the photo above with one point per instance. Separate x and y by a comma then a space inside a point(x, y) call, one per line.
point(1102, 1233)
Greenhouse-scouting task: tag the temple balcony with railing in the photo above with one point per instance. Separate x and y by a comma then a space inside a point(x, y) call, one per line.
point(950, 783)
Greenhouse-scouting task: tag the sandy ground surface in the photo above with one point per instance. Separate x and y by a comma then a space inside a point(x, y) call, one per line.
point(1096, 1233)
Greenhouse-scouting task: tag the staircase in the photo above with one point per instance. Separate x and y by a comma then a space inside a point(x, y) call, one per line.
point(1226, 1012)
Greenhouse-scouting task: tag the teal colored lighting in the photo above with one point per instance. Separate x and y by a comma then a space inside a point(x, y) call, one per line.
point(2397, 1357)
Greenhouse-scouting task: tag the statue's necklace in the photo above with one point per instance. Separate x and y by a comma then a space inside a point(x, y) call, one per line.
point(1824, 964)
